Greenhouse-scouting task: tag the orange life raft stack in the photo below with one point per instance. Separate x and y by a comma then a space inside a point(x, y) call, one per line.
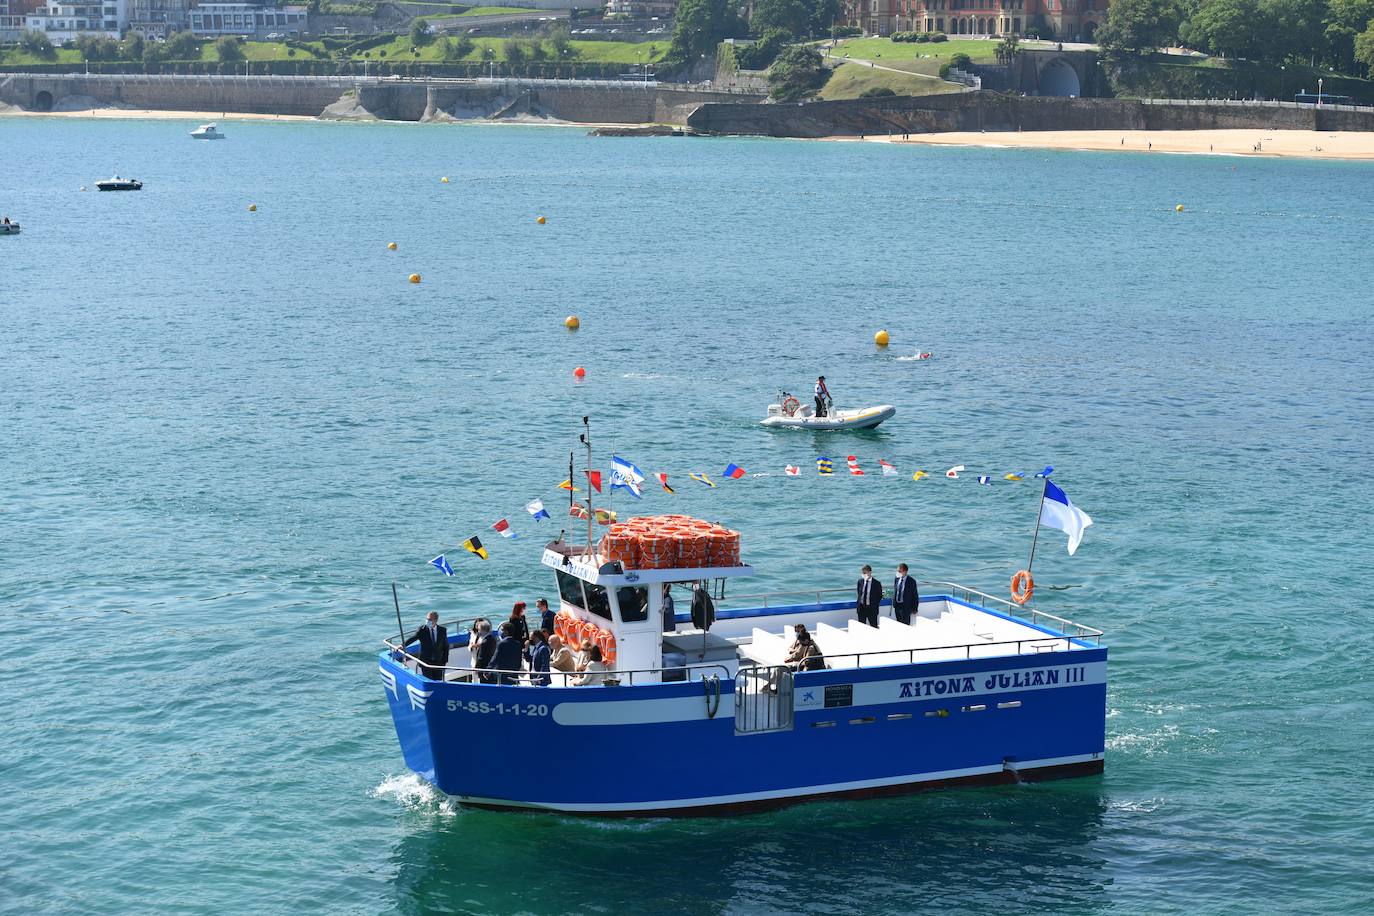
point(670, 542)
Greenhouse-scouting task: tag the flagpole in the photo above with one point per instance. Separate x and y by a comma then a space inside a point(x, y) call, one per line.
point(1036, 536)
point(400, 626)
point(587, 441)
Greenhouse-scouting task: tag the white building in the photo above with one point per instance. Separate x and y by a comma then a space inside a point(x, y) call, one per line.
point(11, 25)
point(65, 20)
point(214, 19)
point(158, 18)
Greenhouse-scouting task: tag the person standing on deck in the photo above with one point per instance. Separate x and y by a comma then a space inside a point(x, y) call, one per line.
point(822, 396)
point(669, 611)
point(538, 657)
point(509, 654)
point(905, 596)
point(519, 626)
point(870, 596)
point(433, 640)
point(546, 617)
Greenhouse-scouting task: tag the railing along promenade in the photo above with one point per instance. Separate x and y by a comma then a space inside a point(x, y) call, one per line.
point(376, 82)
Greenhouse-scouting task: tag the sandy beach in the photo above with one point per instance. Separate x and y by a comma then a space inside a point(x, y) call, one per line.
point(1306, 144)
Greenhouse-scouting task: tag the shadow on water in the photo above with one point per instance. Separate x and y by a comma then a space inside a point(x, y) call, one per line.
point(953, 850)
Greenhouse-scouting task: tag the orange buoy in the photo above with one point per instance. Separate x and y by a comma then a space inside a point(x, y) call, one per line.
point(579, 372)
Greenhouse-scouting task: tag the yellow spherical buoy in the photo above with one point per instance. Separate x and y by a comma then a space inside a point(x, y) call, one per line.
point(882, 338)
point(1178, 208)
point(540, 221)
point(572, 323)
point(252, 208)
point(414, 278)
point(390, 246)
point(444, 179)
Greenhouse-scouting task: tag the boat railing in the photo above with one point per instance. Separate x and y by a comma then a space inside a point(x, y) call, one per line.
point(610, 677)
point(1089, 635)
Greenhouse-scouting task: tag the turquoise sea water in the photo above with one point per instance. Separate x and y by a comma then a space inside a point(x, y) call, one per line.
point(225, 433)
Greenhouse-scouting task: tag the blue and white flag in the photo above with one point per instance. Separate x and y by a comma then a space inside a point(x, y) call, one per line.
point(1057, 512)
point(441, 564)
point(1045, 474)
point(985, 480)
point(625, 476)
point(535, 507)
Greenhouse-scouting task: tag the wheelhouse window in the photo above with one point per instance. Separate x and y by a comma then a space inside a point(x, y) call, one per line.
point(570, 588)
point(597, 601)
point(634, 603)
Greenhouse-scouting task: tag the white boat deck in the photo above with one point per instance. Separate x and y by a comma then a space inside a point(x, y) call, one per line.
point(942, 631)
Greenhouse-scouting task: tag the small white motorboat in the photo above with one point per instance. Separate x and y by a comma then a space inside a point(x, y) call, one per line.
point(209, 131)
point(792, 414)
point(119, 184)
point(9, 228)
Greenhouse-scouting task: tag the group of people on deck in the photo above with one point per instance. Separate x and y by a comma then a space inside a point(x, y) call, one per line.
point(507, 654)
point(905, 596)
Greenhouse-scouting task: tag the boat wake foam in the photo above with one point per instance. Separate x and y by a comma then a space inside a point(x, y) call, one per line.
point(414, 794)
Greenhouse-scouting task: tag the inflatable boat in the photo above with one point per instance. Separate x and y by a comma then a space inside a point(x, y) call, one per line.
point(9, 228)
point(792, 414)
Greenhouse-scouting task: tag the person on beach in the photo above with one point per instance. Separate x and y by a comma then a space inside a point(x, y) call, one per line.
point(822, 396)
point(433, 640)
point(869, 597)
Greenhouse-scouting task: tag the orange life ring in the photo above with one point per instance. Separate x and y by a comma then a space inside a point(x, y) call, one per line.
point(790, 405)
point(605, 640)
point(1022, 587)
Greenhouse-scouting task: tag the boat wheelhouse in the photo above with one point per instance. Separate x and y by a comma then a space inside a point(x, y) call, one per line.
point(709, 719)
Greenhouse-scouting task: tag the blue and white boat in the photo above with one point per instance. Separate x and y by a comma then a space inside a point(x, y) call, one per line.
point(974, 691)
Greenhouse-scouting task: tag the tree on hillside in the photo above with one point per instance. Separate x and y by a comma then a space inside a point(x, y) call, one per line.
point(1364, 48)
point(181, 46)
point(37, 44)
point(132, 48)
point(228, 50)
point(1227, 27)
point(701, 25)
point(797, 72)
point(1138, 26)
point(791, 16)
point(1296, 29)
point(419, 33)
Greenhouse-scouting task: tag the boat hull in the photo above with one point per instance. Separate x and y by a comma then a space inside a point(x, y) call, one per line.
point(852, 733)
point(867, 418)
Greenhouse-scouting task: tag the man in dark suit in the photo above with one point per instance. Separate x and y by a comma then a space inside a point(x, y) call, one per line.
point(509, 654)
point(869, 597)
point(905, 596)
point(433, 640)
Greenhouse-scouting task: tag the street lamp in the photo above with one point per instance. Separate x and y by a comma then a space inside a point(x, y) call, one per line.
point(1319, 92)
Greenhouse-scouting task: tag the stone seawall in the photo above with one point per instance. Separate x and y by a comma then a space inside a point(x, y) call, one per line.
point(991, 111)
point(595, 102)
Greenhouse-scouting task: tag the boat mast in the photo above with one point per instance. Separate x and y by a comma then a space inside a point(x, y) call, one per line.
point(1039, 509)
point(586, 438)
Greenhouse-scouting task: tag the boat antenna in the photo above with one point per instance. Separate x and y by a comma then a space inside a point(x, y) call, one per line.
point(571, 499)
point(401, 628)
point(1038, 511)
point(586, 438)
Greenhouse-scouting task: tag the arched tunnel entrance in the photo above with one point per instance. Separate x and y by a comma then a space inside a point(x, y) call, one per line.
point(1060, 78)
point(42, 101)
